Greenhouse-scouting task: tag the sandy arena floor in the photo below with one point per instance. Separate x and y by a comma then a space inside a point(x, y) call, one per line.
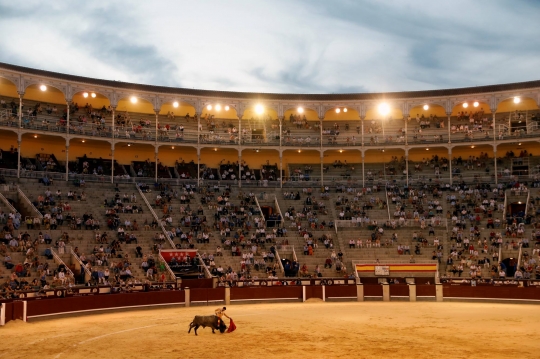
point(299, 330)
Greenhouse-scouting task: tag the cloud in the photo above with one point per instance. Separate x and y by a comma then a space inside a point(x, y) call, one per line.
point(314, 46)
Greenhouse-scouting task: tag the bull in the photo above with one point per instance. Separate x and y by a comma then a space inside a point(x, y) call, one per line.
point(204, 321)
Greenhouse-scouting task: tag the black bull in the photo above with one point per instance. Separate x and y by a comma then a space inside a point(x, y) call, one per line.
point(204, 321)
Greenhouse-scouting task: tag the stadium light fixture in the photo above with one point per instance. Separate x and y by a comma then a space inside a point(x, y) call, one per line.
point(426, 107)
point(93, 95)
point(133, 99)
point(172, 147)
point(517, 100)
point(465, 105)
point(345, 109)
point(35, 136)
point(338, 110)
point(340, 151)
point(85, 94)
point(43, 88)
point(218, 107)
point(259, 109)
point(227, 108)
point(300, 109)
point(175, 104)
point(384, 109)
point(475, 104)
point(209, 107)
point(83, 141)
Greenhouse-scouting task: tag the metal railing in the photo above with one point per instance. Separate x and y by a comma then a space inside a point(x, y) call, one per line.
point(278, 258)
point(29, 203)
point(6, 202)
point(158, 220)
point(60, 261)
point(87, 274)
point(167, 267)
point(206, 270)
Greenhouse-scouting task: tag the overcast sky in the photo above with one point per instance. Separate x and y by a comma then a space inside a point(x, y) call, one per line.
point(319, 46)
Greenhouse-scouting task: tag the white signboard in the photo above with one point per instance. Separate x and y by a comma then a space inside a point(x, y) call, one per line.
point(382, 270)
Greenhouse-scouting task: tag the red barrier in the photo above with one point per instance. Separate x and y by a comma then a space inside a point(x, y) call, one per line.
point(208, 295)
point(314, 292)
point(277, 292)
point(197, 283)
point(340, 291)
point(88, 303)
point(9, 312)
point(496, 292)
point(399, 290)
point(373, 290)
point(425, 290)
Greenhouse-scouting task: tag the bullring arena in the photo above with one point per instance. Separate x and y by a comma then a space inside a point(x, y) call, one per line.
point(390, 225)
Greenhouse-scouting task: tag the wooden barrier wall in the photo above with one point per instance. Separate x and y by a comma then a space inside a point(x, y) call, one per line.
point(42, 307)
point(491, 292)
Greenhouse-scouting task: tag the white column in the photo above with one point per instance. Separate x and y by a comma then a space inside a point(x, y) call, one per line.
point(67, 159)
point(156, 162)
point(362, 118)
point(322, 168)
point(113, 122)
point(280, 130)
point(321, 130)
point(21, 94)
point(449, 114)
point(406, 132)
point(112, 163)
point(240, 168)
point(407, 166)
point(67, 117)
point(19, 156)
point(199, 167)
point(280, 169)
point(495, 163)
point(363, 157)
point(450, 165)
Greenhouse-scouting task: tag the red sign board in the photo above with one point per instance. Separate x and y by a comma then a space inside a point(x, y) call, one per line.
point(179, 254)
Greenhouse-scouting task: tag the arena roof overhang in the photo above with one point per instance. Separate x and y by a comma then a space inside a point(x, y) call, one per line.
point(276, 96)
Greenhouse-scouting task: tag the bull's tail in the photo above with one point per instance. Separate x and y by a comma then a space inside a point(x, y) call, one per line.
point(190, 327)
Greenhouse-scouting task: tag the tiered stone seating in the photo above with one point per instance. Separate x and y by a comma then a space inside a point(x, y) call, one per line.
point(83, 237)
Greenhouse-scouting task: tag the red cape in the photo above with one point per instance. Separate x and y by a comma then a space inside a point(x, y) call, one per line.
point(232, 327)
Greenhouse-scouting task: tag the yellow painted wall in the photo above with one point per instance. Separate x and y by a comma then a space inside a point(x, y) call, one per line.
point(7, 139)
point(32, 146)
point(125, 155)
point(467, 151)
point(142, 106)
point(93, 149)
point(418, 154)
point(347, 155)
point(311, 115)
point(179, 111)
point(350, 115)
point(98, 102)
point(222, 114)
point(212, 158)
point(509, 105)
point(51, 95)
point(250, 113)
point(481, 106)
point(373, 113)
point(257, 159)
point(432, 110)
point(7, 88)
